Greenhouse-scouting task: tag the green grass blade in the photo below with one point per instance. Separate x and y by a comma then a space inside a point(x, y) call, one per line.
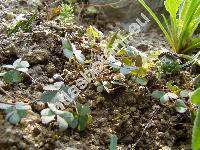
point(196, 132)
point(158, 22)
point(187, 23)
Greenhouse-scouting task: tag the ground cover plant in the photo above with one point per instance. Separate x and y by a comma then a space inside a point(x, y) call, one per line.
point(68, 86)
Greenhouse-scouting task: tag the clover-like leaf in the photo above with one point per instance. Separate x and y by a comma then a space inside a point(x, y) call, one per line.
point(12, 77)
point(49, 96)
point(79, 56)
point(184, 93)
point(16, 112)
point(180, 106)
point(82, 122)
point(53, 87)
point(164, 99)
point(85, 110)
point(67, 48)
point(62, 123)
point(157, 94)
point(47, 116)
point(141, 81)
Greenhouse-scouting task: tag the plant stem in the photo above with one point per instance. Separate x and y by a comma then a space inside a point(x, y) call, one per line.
point(1, 89)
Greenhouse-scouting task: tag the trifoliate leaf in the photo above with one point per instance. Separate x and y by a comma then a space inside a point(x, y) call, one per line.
point(180, 106)
point(16, 112)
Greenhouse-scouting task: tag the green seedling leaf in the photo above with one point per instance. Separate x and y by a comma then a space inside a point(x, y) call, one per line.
point(79, 56)
point(173, 88)
point(180, 106)
point(93, 33)
point(172, 95)
point(82, 122)
point(111, 42)
point(4, 106)
point(12, 77)
point(157, 94)
point(85, 110)
point(62, 123)
point(54, 87)
point(141, 81)
point(47, 116)
point(9, 66)
point(22, 106)
point(15, 113)
point(196, 132)
point(113, 142)
point(196, 97)
point(20, 64)
point(127, 61)
point(184, 93)
point(164, 99)
point(64, 119)
point(74, 123)
point(67, 48)
point(48, 96)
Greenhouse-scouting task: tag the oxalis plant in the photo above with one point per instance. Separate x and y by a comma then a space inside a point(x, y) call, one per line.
point(57, 97)
point(14, 73)
point(179, 29)
point(14, 111)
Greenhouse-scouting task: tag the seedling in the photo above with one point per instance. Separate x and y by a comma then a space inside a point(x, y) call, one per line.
point(15, 112)
point(14, 75)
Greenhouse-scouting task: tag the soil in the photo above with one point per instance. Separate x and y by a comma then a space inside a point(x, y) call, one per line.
point(139, 121)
